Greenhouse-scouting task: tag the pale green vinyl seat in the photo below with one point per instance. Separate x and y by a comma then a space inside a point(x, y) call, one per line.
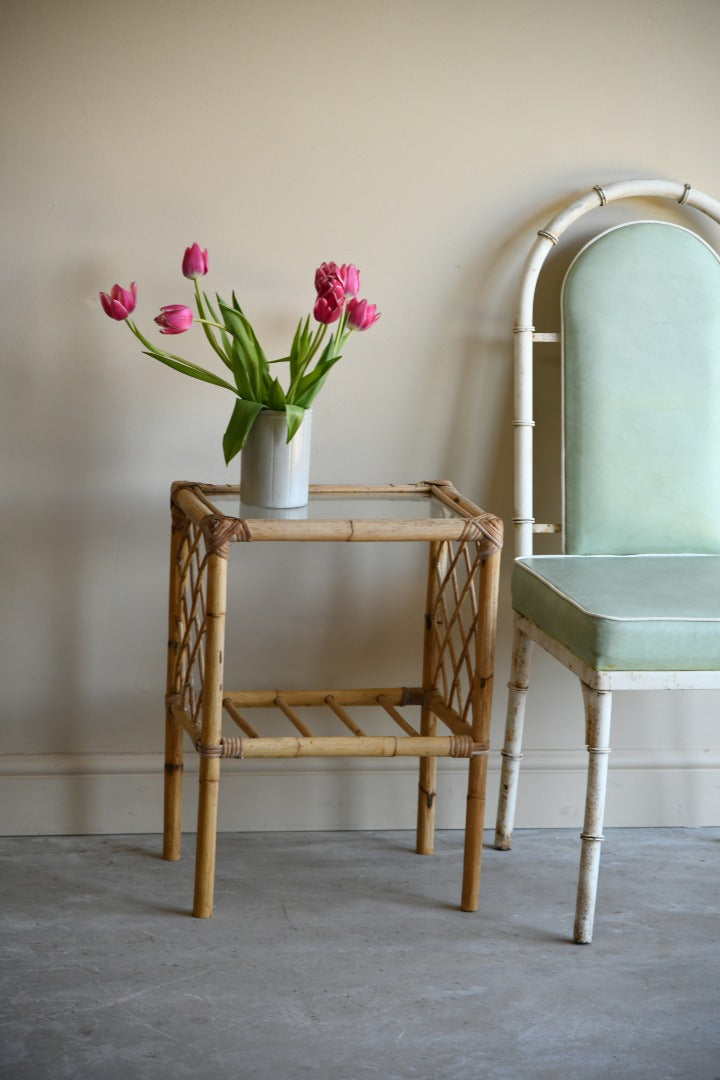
point(634, 600)
point(626, 612)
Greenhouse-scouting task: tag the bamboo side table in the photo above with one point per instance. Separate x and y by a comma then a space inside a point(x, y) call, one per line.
point(456, 684)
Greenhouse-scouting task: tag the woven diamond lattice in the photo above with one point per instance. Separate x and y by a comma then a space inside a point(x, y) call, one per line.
point(453, 622)
point(192, 622)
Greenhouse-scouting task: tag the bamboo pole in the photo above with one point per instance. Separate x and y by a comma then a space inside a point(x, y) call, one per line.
point(185, 718)
point(481, 708)
point(427, 780)
point(347, 720)
point(266, 699)
point(293, 746)
point(240, 720)
point(185, 497)
point(211, 731)
point(448, 495)
point(172, 788)
point(354, 530)
point(293, 717)
point(448, 715)
point(397, 717)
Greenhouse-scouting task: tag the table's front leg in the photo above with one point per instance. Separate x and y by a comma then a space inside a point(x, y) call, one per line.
point(174, 731)
point(427, 792)
point(487, 599)
point(209, 749)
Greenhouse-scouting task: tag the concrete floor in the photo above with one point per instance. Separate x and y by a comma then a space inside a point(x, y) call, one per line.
point(342, 956)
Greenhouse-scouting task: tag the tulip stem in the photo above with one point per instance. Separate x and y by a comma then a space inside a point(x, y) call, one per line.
point(187, 366)
point(206, 327)
point(209, 322)
point(305, 362)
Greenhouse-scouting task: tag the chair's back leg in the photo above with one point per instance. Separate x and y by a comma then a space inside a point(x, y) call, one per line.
point(598, 709)
point(512, 748)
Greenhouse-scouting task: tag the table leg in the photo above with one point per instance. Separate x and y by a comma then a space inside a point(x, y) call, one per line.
point(427, 793)
point(487, 598)
point(172, 815)
point(211, 731)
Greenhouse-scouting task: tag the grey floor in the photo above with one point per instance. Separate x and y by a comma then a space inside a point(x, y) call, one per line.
point(343, 956)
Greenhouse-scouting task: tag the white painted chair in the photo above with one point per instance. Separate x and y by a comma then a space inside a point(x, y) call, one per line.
point(634, 600)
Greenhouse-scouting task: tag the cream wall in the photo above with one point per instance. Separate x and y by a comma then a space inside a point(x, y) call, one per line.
point(424, 141)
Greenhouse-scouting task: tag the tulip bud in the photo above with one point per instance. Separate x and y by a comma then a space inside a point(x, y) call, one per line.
point(195, 262)
point(329, 304)
point(174, 319)
point(328, 307)
point(120, 302)
point(361, 315)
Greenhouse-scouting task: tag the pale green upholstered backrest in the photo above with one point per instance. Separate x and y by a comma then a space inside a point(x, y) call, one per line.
point(641, 393)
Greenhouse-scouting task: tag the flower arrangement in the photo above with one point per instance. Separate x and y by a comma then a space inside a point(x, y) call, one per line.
point(233, 339)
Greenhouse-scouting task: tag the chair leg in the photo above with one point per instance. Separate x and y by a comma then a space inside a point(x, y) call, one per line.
point(512, 749)
point(598, 709)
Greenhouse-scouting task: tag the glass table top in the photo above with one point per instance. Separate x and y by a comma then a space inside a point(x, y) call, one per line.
point(394, 506)
point(425, 511)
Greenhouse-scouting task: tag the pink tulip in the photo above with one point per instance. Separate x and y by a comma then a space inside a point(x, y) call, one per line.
point(195, 262)
point(330, 301)
point(350, 277)
point(329, 304)
point(174, 319)
point(120, 302)
point(361, 315)
point(325, 275)
point(347, 275)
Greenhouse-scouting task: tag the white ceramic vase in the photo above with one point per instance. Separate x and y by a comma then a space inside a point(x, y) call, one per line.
point(274, 472)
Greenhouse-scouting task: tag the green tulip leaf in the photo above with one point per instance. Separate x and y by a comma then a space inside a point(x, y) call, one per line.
point(243, 417)
point(312, 383)
point(185, 367)
point(249, 361)
point(225, 352)
point(245, 382)
point(276, 395)
point(295, 416)
point(296, 349)
point(306, 399)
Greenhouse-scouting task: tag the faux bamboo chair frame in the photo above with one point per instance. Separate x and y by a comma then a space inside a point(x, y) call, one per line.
point(457, 664)
point(597, 685)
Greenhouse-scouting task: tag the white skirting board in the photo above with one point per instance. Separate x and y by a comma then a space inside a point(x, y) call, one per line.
point(74, 794)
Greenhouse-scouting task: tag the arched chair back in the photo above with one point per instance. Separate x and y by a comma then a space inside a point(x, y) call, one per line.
point(641, 393)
